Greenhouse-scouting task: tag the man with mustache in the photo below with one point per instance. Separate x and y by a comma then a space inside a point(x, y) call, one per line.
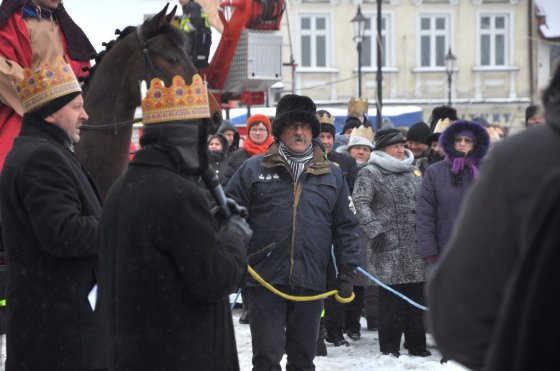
point(299, 206)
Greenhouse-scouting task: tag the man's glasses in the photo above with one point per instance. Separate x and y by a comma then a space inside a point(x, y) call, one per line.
point(464, 139)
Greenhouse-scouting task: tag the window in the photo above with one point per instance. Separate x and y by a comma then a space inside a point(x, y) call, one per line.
point(494, 30)
point(434, 40)
point(314, 40)
point(369, 43)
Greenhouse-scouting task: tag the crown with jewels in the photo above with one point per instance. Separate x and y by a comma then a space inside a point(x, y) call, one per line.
point(46, 84)
point(357, 106)
point(176, 103)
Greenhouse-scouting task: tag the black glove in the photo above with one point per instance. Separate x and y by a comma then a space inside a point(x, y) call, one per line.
point(344, 281)
point(236, 231)
point(234, 209)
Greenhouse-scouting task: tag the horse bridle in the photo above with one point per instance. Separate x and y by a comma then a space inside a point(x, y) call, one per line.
point(149, 65)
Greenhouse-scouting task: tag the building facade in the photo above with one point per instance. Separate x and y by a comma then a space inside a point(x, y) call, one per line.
point(489, 38)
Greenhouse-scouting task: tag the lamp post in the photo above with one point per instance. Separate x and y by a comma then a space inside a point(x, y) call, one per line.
point(449, 66)
point(359, 22)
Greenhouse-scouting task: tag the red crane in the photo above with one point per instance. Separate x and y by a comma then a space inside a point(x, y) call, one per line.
point(248, 58)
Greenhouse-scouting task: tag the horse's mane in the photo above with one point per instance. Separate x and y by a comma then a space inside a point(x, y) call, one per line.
point(174, 34)
point(108, 46)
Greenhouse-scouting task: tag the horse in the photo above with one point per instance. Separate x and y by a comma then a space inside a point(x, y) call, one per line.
point(112, 92)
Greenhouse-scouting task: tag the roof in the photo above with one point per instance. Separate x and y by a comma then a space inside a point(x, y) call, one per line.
point(550, 9)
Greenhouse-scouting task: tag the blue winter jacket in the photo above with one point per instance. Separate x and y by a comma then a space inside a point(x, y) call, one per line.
point(295, 225)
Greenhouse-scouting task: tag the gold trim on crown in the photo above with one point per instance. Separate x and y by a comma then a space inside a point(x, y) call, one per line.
point(325, 118)
point(362, 132)
point(441, 125)
point(357, 106)
point(46, 84)
point(177, 103)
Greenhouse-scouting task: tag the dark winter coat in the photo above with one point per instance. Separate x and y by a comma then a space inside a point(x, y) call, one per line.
point(528, 319)
point(218, 159)
point(348, 166)
point(466, 290)
point(165, 274)
point(50, 216)
point(385, 197)
point(235, 160)
point(295, 225)
point(441, 195)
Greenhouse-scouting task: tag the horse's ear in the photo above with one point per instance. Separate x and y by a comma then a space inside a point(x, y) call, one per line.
point(157, 21)
point(171, 16)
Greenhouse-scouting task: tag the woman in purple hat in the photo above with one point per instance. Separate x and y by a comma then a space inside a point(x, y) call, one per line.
point(445, 183)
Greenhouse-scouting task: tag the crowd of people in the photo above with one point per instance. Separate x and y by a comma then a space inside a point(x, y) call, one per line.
point(140, 280)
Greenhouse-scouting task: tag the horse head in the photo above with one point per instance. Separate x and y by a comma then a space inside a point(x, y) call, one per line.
point(112, 94)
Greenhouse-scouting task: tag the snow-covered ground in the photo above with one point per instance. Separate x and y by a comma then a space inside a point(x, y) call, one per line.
point(361, 355)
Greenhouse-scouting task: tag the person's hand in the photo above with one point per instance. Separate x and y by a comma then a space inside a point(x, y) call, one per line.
point(236, 230)
point(236, 209)
point(344, 281)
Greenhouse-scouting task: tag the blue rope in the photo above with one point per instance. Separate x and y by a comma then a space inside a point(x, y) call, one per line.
point(365, 273)
point(235, 300)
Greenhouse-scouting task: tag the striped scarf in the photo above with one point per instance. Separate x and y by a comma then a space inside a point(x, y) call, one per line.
point(297, 161)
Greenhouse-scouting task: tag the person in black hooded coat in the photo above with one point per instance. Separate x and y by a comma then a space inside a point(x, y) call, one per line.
point(167, 266)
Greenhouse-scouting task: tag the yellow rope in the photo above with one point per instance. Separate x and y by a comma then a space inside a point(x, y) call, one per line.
point(298, 298)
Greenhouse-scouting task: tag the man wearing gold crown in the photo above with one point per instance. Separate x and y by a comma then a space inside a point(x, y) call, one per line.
point(32, 31)
point(167, 264)
point(50, 213)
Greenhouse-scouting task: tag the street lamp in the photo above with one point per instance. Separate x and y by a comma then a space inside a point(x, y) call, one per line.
point(449, 66)
point(359, 22)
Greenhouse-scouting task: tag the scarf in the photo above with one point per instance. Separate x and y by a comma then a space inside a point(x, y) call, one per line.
point(297, 161)
point(457, 164)
point(256, 149)
point(392, 164)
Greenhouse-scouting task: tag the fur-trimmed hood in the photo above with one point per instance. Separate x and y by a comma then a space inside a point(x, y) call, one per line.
point(447, 140)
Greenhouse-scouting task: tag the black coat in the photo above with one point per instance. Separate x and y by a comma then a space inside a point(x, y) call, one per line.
point(165, 276)
point(348, 166)
point(50, 215)
point(466, 289)
point(234, 162)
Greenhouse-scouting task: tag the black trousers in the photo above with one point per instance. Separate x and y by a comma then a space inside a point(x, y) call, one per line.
point(396, 316)
point(340, 318)
point(279, 325)
point(371, 302)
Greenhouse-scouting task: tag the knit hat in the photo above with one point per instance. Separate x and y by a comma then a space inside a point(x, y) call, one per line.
point(293, 108)
point(255, 119)
point(418, 132)
point(351, 123)
point(387, 137)
point(327, 122)
point(48, 89)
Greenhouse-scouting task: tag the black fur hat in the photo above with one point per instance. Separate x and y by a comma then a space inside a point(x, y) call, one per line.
point(295, 108)
point(387, 137)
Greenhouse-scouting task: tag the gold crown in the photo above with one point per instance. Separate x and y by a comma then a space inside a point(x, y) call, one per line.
point(325, 118)
point(362, 132)
point(357, 106)
point(176, 103)
point(441, 125)
point(46, 84)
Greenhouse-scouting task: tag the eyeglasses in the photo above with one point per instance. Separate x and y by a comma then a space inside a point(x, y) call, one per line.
point(464, 139)
point(258, 130)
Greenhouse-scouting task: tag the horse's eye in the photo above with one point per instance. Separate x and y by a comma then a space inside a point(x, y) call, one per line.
point(174, 60)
